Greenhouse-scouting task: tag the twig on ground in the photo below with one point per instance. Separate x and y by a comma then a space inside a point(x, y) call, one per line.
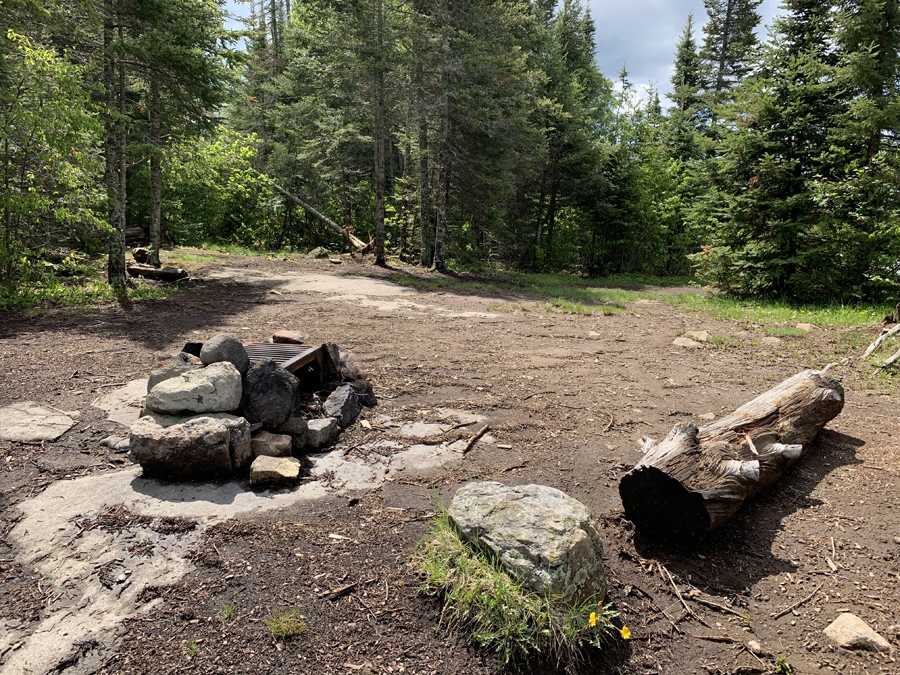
point(538, 393)
point(609, 425)
point(475, 438)
point(778, 615)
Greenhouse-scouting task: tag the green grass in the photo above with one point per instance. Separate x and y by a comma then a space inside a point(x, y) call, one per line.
point(198, 257)
point(54, 292)
point(779, 311)
point(784, 331)
point(227, 611)
point(191, 649)
point(569, 307)
point(285, 624)
point(501, 615)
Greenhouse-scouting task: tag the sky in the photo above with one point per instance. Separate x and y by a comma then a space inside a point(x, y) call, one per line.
point(643, 34)
point(639, 33)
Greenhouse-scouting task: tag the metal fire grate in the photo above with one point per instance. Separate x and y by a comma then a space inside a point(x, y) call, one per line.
point(290, 357)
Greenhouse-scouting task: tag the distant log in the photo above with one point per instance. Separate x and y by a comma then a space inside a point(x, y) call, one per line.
point(696, 479)
point(157, 273)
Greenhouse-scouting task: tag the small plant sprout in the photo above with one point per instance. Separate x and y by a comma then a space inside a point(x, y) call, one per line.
point(285, 624)
point(227, 611)
point(782, 667)
point(191, 649)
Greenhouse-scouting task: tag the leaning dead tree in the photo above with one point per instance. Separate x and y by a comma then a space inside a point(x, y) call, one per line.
point(697, 478)
point(351, 240)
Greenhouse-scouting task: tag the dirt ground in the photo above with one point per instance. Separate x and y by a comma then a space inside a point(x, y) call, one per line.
point(567, 397)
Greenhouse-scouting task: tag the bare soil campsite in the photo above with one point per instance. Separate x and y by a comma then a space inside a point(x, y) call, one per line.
point(103, 570)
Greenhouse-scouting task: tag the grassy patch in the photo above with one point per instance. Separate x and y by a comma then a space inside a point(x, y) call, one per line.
point(784, 331)
point(778, 311)
point(501, 614)
point(285, 624)
point(569, 307)
point(197, 257)
point(509, 307)
point(51, 291)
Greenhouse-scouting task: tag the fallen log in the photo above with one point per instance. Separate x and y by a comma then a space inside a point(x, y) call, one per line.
point(697, 478)
point(157, 273)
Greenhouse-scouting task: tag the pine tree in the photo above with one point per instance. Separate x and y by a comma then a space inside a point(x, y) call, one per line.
point(729, 42)
point(685, 115)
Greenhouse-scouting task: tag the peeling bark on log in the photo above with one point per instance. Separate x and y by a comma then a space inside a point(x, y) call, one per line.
point(696, 479)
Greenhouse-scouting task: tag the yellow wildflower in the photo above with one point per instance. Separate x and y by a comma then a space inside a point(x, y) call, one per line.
point(593, 619)
point(626, 634)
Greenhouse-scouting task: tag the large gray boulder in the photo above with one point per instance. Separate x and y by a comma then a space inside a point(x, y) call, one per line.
point(539, 534)
point(216, 388)
point(269, 394)
point(203, 446)
point(343, 405)
point(224, 347)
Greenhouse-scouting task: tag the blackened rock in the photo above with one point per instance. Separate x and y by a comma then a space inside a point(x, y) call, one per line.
point(224, 347)
point(343, 405)
point(269, 394)
point(365, 393)
point(331, 362)
point(192, 348)
point(298, 429)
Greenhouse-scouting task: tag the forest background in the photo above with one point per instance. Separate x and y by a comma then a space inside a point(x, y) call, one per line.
point(472, 134)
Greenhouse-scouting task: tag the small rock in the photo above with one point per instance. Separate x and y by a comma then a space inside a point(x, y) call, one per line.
point(700, 335)
point(321, 432)
point(298, 430)
point(851, 632)
point(224, 347)
point(167, 372)
point(117, 443)
point(267, 470)
point(343, 405)
point(897, 540)
point(594, 334)
point(269, 394)
point(686, 342)
point(805, 327)
point(707, 416)
point(288, 337)
point(771, 340)
point(755, 647)
point(216, 388)
point(335, 261)
point(319, 252)
point(743, 335)
point(894, 630)
point(270, 445)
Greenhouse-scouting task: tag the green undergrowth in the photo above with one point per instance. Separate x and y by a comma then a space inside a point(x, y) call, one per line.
point(52, 291)
point(502, 616)
point(587, 309)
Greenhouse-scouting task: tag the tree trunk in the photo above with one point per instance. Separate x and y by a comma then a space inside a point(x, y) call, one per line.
point(440, 230)
point(155, 175)
point(116, 242)
point(696, 479)
point(427, 231)
point(379, 143)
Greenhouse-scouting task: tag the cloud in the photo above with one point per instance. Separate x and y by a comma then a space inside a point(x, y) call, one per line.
point(642, 34)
